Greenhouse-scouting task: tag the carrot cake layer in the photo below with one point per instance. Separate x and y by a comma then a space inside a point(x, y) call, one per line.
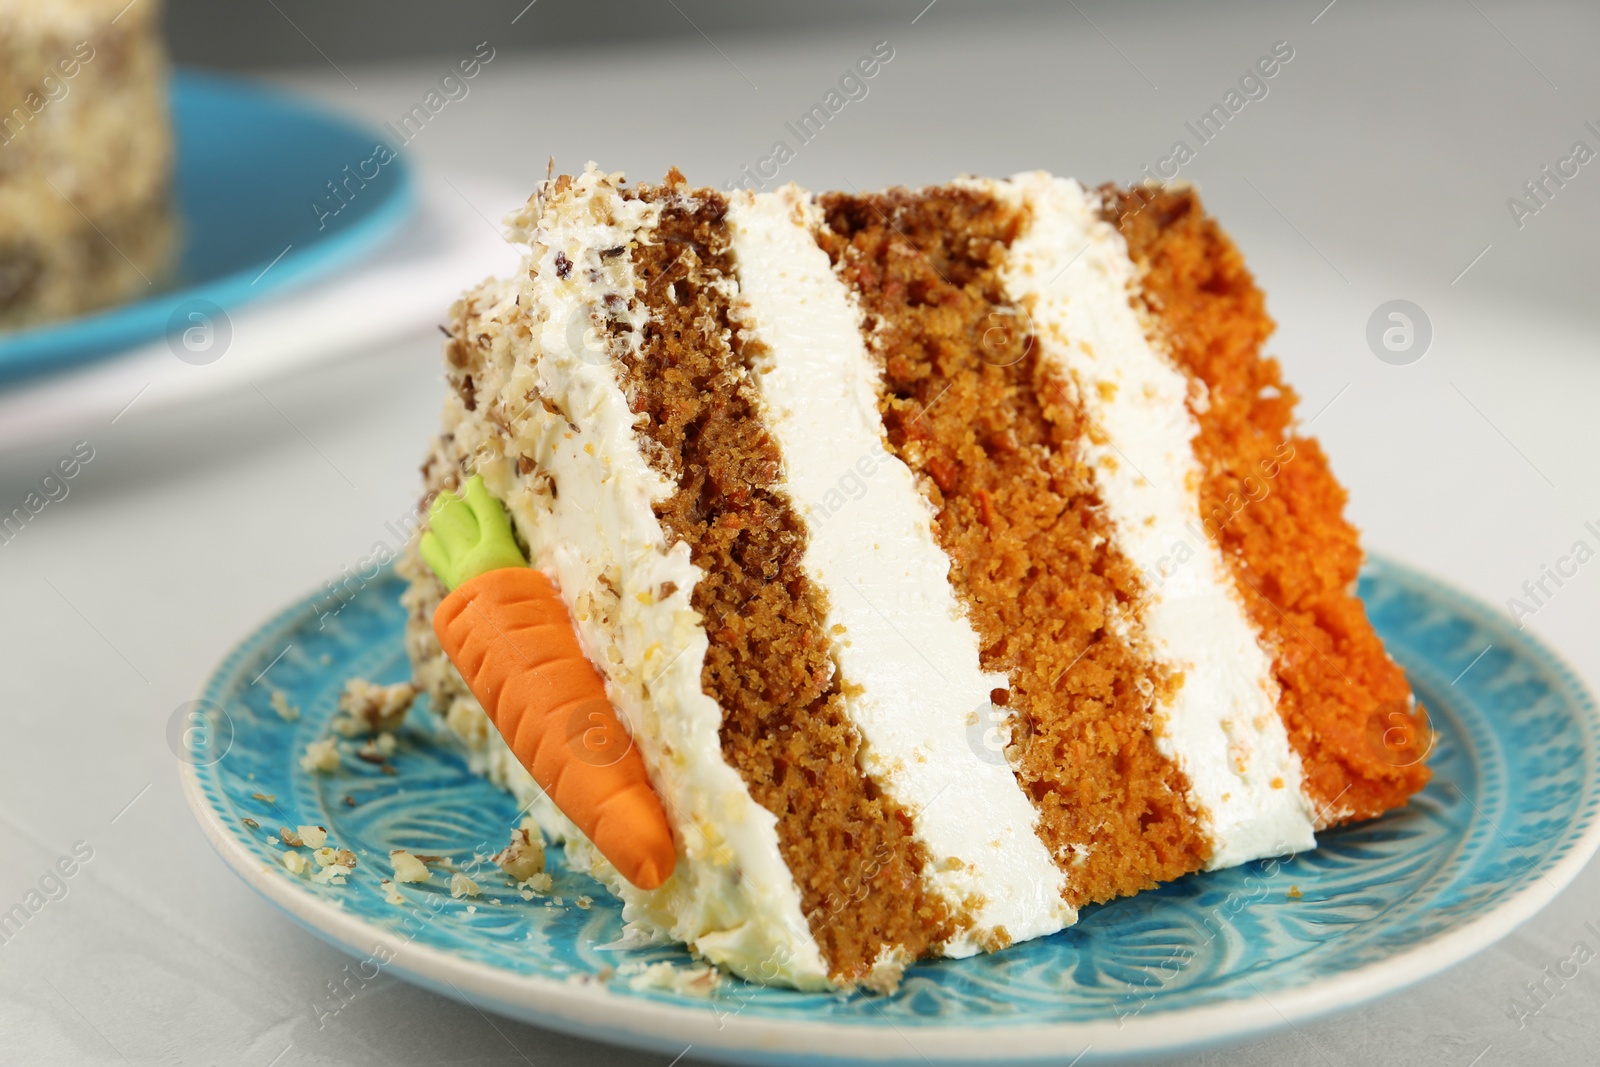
point(1271, 504)
point(769, 664)
point(993, 427)
point(910, 660)
point(539, 412)
point(949, 556)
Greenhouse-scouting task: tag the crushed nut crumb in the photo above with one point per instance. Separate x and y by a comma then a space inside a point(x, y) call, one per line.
point(321, 755)
point(524, 856)
point(372, 709)
point(408, 868)
point(280, 704)
point(536, 886)
point(330, 875)
point(462, 886)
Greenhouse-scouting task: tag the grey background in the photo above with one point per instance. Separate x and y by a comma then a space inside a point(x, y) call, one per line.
point(1377, 168)
point(250, 33)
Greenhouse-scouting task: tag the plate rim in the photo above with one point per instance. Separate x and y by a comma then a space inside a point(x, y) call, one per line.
point(60, 345)
point(590, 1010)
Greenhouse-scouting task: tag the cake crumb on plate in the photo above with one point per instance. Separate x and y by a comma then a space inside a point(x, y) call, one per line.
point(368, 708)
point(524, 856)
point(280, 703)
point(408, 868)
point(321, 755)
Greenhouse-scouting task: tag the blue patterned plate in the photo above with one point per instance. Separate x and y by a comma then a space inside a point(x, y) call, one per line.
point(1508, 820)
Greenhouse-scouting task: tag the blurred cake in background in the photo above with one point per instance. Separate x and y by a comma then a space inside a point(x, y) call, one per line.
point(86, 151)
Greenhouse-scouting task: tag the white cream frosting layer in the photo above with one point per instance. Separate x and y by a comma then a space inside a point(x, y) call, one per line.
point(902, 643)
point(1070, 269)
point(731, 897)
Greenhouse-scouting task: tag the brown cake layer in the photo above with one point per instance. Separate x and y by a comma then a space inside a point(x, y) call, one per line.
point(1277, 513)
point(785, 727)
point(995, 439)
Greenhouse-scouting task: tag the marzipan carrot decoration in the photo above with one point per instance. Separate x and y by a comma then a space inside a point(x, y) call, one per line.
point(507, 631)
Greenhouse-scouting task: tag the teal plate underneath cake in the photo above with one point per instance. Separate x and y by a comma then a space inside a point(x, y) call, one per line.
point(1508, 820)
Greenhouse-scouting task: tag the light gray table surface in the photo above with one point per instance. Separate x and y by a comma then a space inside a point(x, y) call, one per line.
point(1378, 166)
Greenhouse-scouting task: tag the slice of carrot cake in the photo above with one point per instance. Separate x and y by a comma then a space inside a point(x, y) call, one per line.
point(939, 560)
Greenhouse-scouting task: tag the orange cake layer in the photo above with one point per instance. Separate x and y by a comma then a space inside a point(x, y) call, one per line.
point(994, 433)
point(1272, 503)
